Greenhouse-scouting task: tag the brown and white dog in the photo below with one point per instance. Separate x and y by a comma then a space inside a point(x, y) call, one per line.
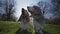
point(38, 18)
point(26, 21)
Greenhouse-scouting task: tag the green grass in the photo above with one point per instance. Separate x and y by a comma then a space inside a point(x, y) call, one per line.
point(10, 27)
point(52, 28)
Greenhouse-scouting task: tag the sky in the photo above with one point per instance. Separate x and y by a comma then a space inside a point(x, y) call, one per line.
point(24, 3)
point(19, 4)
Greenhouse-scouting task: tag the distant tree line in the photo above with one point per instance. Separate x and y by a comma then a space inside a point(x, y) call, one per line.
point(7, 6)
point(52, 8)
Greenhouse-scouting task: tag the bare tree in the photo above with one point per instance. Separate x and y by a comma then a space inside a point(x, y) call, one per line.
point(9, 6)
point(50, 8)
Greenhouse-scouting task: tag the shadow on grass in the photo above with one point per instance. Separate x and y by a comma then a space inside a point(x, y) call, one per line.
point(22, 32)
point(44, 32)
point(26, 32)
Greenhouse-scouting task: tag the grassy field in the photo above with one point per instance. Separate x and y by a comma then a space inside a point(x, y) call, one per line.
point(52, 28)
point(9, 27)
